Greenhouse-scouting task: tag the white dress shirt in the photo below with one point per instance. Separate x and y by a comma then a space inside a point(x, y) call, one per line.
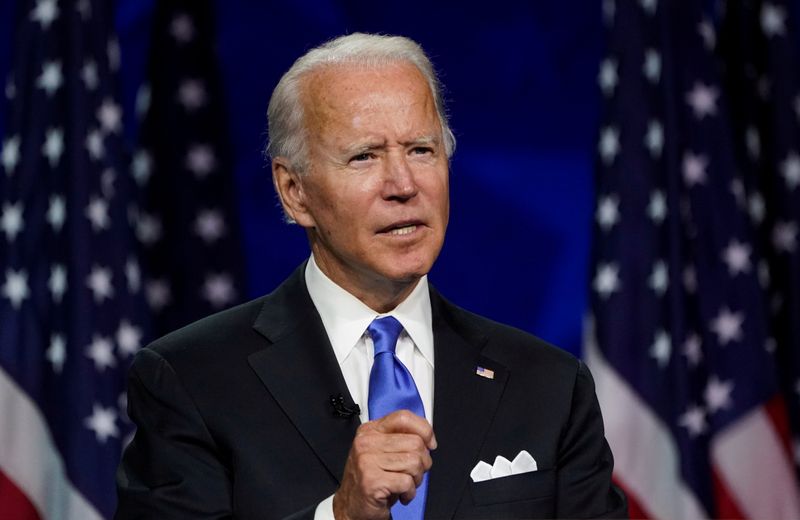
point(346, 319)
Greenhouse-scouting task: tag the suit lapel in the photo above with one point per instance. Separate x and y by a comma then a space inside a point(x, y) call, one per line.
point(464, 405)
point(300, 370)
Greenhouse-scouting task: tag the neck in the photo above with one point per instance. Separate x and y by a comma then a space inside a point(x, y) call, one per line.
point(378, 293)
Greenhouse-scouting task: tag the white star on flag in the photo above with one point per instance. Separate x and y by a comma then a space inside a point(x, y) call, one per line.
point(103, 422)
point(45, 12)
point(182, 28)
point(694, 169)
point(218, 290)
point(129, 338)
point(192, 94)
point(606, 281)
point(737, 256)
point(773, 20)
point(657, 207)
point(16, 287)
point(148, 229)
point(659, 278)
point(84, 8)
point(141, 167)
point(694, 420)
point(703, 100)
point(763, 274)
point(53, 146)
point(753, 142)
point(11, 221)
point(649, 6)
point(690, 279)
point(158, 294)
point(109, 114)
point(89, 75)
point(99, 282)
point(727, 326)
point(56, 212)
point(706, 31)
point(51, 78)
point(607, 78)
point(200, 160)
point(10, 90)
point(756, 208)
point(57, 283)
point(209, 225)
point(609, 144)
point(97, 213)
point(737, 189)
point(692, 349)
point(784, 236)
point(107, 180)
point(718, 394)
point(56, 353)
point(133, 275)
point(654, 138)
point(95, 145)
point(143, 98)
point(608, 212)
point(652, 65)
point(101, 351)
point(113, 54)
point(790, 169)
point(661, 349)
point(9, 157)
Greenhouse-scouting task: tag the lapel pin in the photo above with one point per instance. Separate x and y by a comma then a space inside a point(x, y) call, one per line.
point(484, 372)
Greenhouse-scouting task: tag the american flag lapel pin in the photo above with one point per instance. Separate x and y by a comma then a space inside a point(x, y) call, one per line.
point(484, 372)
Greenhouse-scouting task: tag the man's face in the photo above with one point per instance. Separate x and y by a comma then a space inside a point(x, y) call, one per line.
point(375, 198)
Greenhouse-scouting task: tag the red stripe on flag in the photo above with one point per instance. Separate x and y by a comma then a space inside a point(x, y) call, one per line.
point(776, 410)
point(635, 509)
point(13, 502)
point(723, 500)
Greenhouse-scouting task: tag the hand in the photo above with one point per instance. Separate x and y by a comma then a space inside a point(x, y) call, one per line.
point(386, 463)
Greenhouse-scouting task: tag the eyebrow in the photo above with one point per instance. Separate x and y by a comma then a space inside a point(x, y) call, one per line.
point(368, 146)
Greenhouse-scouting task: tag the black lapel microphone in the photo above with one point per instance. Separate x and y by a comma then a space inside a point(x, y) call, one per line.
point(342, 409)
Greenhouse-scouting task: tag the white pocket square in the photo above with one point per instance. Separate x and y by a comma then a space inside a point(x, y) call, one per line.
point(502, 467)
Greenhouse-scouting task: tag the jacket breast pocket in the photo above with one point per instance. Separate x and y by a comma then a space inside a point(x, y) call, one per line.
point(525, 486)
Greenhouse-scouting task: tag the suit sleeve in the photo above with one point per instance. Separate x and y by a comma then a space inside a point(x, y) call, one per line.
point(585, 461)
point(172, 468)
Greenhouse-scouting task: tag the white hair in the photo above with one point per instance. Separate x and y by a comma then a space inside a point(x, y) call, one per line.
point(287, 131)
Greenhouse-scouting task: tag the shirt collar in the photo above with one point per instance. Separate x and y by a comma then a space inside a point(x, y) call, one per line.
point(346, 318)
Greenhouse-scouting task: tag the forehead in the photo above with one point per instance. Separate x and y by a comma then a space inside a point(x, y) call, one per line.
point(341, 92)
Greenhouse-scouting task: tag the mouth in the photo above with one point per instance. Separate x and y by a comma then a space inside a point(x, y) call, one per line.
point(401, 228)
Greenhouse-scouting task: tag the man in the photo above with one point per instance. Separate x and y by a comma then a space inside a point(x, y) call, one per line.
point(251, 413)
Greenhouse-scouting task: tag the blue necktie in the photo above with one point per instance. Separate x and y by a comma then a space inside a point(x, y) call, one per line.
point(392, 388)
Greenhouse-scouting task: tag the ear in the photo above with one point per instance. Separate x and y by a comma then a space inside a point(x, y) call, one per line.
point(289, 187)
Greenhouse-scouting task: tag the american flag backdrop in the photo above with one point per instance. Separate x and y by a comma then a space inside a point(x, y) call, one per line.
point(693, 339)
point(89, 238)
point(188, 226)
point(71, 308)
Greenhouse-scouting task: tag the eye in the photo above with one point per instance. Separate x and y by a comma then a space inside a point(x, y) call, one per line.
point(422, 150)
point(366, 156)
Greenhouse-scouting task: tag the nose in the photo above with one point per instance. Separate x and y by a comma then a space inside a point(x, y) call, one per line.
point(400, 182)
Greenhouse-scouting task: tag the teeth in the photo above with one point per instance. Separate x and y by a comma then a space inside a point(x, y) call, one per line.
point(403, 230)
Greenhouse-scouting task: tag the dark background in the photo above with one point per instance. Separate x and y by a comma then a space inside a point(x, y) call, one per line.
point(521, 86)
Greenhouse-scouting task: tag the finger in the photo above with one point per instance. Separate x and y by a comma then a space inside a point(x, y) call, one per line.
point(390, 443)
point(413, 464)
point(407, 497)
point(404, 421)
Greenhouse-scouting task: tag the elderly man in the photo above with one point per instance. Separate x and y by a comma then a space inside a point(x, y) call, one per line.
point(355, 390)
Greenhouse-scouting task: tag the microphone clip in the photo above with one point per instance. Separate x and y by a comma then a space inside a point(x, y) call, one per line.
point(341, 409)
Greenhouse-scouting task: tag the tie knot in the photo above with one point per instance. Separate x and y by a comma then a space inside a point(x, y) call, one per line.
point(384, 333)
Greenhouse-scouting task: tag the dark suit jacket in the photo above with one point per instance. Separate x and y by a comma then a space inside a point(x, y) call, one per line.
point(234, 420)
